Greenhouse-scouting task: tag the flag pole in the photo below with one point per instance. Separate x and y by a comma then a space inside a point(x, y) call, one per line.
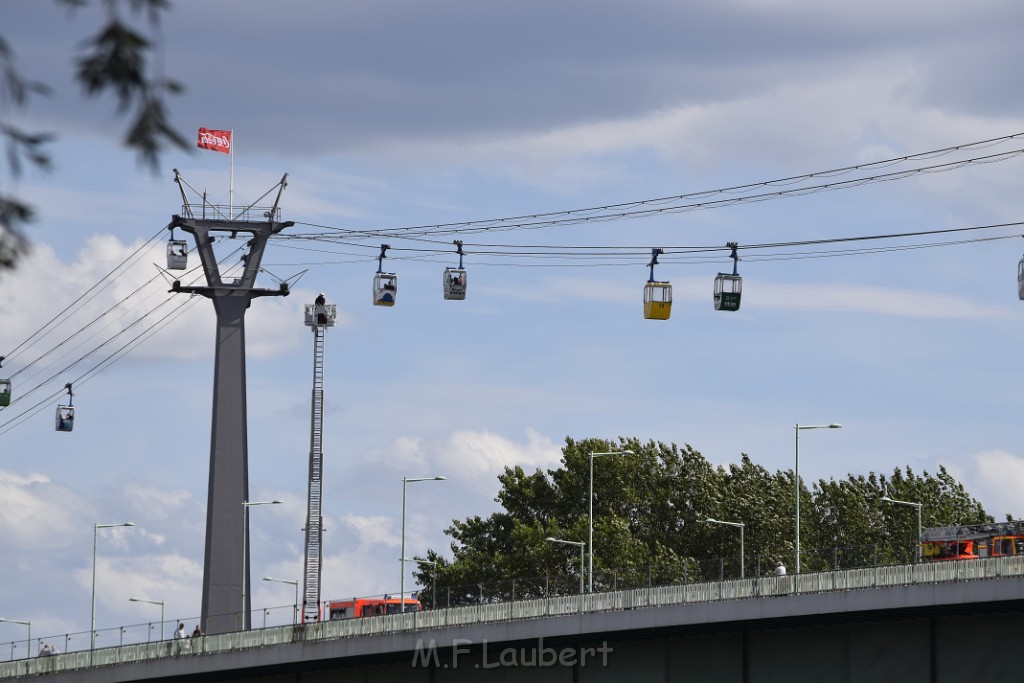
point(231, 181)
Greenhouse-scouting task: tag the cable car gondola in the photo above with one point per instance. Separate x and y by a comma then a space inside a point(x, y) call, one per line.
point(5, 389)
point(455, 279)
point(729, 287)
point(657, 295)
point(177, 253)
point(385, 285)
point(66, 413)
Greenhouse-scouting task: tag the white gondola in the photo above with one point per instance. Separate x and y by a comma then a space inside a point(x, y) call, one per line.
point(1020, 279)
point(728, 288)
point(385, 289)
point(5, 388)
point(65, 419)
point(454, 284)
point(385, 285)
point(177, 255)
point(657, 294)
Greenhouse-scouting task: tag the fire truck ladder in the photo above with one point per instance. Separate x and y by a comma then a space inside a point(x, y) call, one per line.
point(318, 317)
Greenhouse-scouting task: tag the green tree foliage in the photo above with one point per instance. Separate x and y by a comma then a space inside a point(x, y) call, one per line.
point(117, 60)
point(650, 522)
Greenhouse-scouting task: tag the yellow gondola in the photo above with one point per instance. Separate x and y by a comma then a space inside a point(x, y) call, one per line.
point(729, 287)
point(385, 285)
point(657, 294)
point(454, 283)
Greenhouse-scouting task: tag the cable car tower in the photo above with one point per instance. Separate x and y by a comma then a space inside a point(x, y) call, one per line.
point(226, 605)
point(319, 316)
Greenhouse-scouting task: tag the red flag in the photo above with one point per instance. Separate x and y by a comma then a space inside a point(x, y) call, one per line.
point(217, 140)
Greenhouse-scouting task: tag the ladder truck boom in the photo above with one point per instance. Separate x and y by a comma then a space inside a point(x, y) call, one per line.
point(319, 316)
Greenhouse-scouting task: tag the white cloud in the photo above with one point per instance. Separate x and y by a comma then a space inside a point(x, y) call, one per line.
point(372, 530)
point(481, 456)
point(37, 513)
point(169, 577)
point(996, 478)
point(157, 504)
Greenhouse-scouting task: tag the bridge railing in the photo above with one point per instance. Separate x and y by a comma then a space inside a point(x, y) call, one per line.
point(533, 608)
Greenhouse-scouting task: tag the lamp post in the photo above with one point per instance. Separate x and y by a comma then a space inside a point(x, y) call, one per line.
point(405, 483)
point(590, 518)
point(28, 643)
point(796, 482)
point(154, 602)
point(245, 554)
point(92, 620)
point(293, 583)
point(582, 546)
point(433, 597)
point(887, 499)
point(741, 525)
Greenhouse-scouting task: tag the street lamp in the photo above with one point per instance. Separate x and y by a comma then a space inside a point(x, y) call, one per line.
point(92, 621)
point(433, 581)
point(582, 545)
point(245, 553)
point(28, 643)
point(741, 525)
point(796, 482)
point(590, 518)
point(405, 482)
point(887, 499)
point(154, 602)
point(293, 583)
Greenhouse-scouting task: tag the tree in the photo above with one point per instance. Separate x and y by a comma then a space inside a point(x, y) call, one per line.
point(851, 516)
point(650, 522)
point(114, 60)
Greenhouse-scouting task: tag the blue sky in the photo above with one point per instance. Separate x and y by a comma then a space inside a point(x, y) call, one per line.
point(389, 115)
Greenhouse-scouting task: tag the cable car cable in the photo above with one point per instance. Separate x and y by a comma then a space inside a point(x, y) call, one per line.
point(535, 221)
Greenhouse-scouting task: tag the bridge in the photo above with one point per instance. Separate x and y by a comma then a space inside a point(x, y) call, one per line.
point(931, 622)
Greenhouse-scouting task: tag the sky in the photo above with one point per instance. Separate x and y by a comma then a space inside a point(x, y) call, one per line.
point(404, 114)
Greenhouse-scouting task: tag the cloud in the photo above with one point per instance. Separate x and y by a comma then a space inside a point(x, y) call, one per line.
point(997, 477)
point(372, 530)
point(169, 577)
point(37, 514)
point(480, 456)
point(111, 293)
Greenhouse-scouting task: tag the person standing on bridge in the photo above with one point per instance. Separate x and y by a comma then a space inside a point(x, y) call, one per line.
point(780, 569)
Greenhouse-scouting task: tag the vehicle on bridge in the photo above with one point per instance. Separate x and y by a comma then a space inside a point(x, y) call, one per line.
point(969, 542)
point(371, 607)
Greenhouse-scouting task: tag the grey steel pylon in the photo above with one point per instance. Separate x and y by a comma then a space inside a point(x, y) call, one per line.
point(225, 605)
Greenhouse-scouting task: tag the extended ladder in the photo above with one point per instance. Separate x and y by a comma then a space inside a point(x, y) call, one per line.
point(319, 317)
